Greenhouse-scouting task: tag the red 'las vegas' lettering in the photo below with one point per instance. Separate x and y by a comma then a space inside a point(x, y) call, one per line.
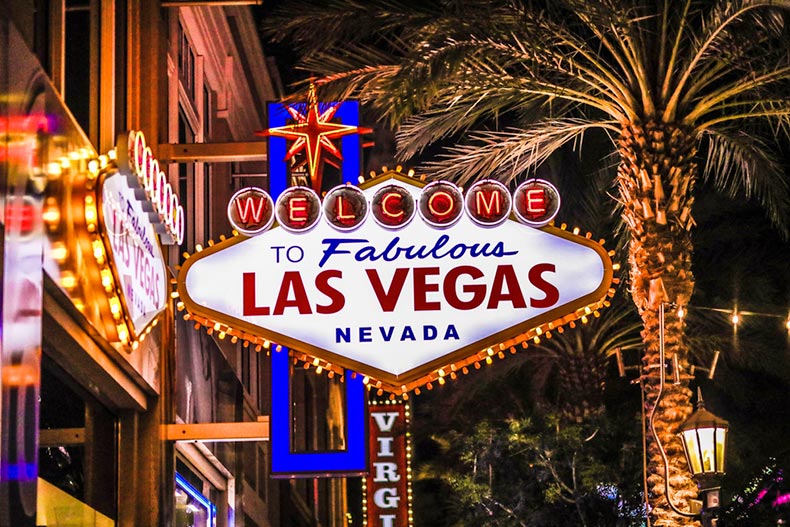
point(293, 294)
point(461, 288)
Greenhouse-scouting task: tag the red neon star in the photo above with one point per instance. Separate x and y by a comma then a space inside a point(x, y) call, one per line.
point(312, 133)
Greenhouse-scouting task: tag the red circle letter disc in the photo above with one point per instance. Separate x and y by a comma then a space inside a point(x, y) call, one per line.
point(251, 211)
point(345, 207)
point(298, 209)
point(536, 202)
point(393, 206)
point(441, 204)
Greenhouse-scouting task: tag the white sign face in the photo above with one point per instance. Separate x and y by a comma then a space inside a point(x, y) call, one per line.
point(389, 303)
point(136, 255)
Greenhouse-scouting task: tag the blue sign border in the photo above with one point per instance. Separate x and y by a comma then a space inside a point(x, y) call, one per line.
point(285, 463)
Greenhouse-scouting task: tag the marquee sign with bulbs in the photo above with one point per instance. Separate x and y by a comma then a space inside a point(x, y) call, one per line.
point(402, 282)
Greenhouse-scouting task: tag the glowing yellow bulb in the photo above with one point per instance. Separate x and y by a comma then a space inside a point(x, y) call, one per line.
point(115, 307)
point(123, 333)
point(68, 280)
point(106, 280)
point(59, 252)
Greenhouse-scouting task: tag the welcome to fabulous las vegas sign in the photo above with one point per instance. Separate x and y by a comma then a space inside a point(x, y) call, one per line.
point(402, 282)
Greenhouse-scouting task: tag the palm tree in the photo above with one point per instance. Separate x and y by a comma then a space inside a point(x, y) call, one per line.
point(684, 89)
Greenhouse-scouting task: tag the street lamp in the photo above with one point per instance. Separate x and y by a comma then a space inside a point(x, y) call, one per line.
point(704, 437)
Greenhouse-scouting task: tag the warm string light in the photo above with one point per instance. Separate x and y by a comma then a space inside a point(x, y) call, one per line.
point(735, 316)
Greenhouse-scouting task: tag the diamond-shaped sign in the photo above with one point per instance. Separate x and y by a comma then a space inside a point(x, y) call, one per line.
point(396, 304)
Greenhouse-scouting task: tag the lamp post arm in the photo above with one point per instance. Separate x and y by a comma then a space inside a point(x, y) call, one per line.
point(662, 380)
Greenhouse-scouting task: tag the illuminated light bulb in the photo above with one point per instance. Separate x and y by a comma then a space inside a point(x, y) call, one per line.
point(365, 379)
point(174, 294)
point(90, 212)
point(65, 162)
point(115, 307)
point(93, 167)
point(59, 252)
point(596, 313)
point(68, 280)
point(441, 372)
point(489, 360)
point(98, 252)
point(51, 215)
point(135, 345)
point(616, 266)
point(197, 325)
point(429, 386)
point(221, 335)
point(576, 231)
point(331, 374)
point(465, 370)
point(106, 280)
point(453, 376)
point(416, 391)
point(681, 313)
point(210, 331)
point(564, 226)
point(584, 319)
point(306, 365)
point(198, 248)
point(536, 339)
point(736, 318)
point(54, 170)
point(123, 333)
point(477, 365)
point(112, 154)
point(500, 355)
point(490, 352)
point(410, 173)
point(258, 347)
point(441, 381)
point(787, 324)
point(234, 340)
point(405, 396)
point(180, 306)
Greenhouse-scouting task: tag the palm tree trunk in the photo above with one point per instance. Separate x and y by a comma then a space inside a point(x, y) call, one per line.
point(656, 179)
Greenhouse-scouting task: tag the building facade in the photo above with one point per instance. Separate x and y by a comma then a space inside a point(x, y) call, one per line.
point(93, 395)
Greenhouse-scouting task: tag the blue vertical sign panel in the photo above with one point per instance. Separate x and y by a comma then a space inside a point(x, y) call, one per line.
point(285, 462)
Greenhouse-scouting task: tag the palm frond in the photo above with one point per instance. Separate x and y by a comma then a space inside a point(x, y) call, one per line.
point(742, 163)
point(509, 154)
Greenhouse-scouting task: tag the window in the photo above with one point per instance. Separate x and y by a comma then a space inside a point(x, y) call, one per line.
point(80, 46)
point(193, 509)
point(186, 63)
